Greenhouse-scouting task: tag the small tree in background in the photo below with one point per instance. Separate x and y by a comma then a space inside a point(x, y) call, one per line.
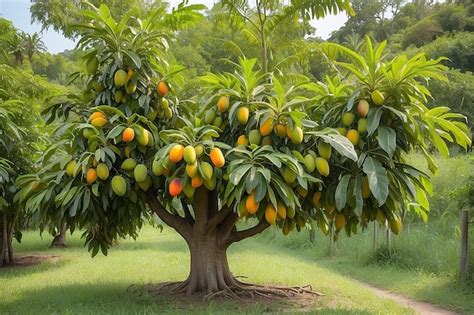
point(250, 146)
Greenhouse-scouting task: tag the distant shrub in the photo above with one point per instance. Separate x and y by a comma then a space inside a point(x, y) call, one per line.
point(422, 32)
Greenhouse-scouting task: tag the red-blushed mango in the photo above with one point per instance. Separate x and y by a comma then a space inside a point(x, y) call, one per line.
point(162, 88)
point(353, 136)
point(175, 187)
point(197, 181)
point(377, 97)
point(91, 176)
point(270, 214)
point(280, 130)
point(363, 108)
point(119, 185)
point(348, 119)
point(223, 104)
point(128, 134)
point(119, 78)
point(192, 169)
point(217, 157)
point(322, 166)
point(176, 153)
point(255, 137)
point(140, 173)
point(364, 186)
point(243, 115)
point(324, 150)
point(102, 171)
point(266, 127)
point(340, 221)
point(189, 154)
point(251, 204)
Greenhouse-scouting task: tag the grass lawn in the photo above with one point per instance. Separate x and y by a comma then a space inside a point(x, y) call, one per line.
point(80, 284)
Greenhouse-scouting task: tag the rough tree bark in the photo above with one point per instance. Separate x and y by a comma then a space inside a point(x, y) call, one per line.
point(209, 231)
point(60, 238)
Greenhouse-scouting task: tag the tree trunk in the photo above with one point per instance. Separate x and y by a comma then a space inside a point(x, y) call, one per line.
point(60, 239)
point(209, 271)
point(4, 238)
point(208, 231)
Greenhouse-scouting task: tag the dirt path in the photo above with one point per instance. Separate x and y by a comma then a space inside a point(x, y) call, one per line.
point(422, 308)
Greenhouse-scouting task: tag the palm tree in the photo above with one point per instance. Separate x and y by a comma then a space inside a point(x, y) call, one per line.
point(33, 44)
point(16, 47)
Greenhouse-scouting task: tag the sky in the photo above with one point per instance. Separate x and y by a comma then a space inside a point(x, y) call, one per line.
point(18, 12)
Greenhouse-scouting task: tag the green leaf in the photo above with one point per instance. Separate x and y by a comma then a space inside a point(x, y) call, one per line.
point(387, 139)
point(341, 192)
point(373, 120)
point(341, 144)
point(134, 57)
point(378, 180)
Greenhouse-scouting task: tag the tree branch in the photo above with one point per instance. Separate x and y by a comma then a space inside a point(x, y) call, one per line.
point(217, 218)
point(176, 222)
point(240, 235)
point(228, 225)
point(187, 213)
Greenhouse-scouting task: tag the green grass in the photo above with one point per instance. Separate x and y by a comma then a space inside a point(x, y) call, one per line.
point(80, 284)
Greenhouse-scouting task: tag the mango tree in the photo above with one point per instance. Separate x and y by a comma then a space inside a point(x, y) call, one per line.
point(249, 147)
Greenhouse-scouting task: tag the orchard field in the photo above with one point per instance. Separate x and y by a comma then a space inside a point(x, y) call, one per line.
point(228, 157)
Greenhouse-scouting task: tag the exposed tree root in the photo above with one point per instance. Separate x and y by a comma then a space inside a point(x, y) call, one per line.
point(242, 292)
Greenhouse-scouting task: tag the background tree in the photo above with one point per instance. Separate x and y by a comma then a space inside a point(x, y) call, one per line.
point(33, 45)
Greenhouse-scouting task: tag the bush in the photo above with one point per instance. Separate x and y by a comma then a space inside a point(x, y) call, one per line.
point(458, 93)
point(459, 48)
point(422, 32)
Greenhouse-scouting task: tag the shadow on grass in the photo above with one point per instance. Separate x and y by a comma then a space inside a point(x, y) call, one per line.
point(26, 271)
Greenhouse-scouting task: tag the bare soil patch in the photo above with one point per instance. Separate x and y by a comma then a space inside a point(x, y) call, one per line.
point(32, 259)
